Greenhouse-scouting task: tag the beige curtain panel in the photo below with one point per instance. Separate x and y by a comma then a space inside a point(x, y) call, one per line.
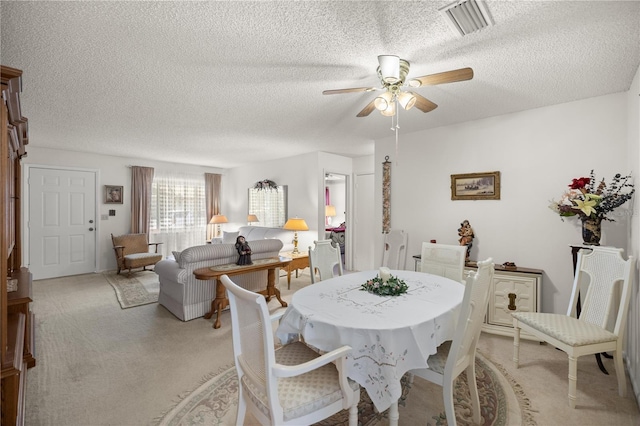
point(212, 199)
point(141, 181)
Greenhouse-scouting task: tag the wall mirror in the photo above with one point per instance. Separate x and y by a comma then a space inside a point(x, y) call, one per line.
point(269, 205)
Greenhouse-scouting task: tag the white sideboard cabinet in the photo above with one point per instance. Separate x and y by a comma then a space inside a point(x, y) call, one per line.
point(517, 290)
point(512, 291)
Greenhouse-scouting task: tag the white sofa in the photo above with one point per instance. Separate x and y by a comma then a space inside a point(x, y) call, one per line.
point(187, 297)
point(257, 233)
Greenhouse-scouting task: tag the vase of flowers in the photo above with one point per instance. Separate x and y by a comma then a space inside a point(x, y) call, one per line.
point(592, 201)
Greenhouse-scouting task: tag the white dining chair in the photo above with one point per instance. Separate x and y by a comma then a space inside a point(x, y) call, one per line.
point(607, 278)
point(324, 258)
point(292, 385)
point(394, 255)
point(454, 357)
point(443, 260)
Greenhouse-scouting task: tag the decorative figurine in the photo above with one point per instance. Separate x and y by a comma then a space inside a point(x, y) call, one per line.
point(244, 251)
point(466, 237)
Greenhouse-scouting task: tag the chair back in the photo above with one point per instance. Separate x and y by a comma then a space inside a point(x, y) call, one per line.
point(132, 243)
point(394, 255)
point(473, 310)
point(253, 344)
point(607, 277)
point(443, 260)
point(324, 257)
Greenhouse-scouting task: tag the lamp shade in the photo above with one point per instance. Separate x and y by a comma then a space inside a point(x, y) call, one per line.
point(218, 218)
point(383, 101)
point(330, 211)
point(296, 224)
point(252, 218)
point(390, 111)
point(389, 68)
point(407, 100)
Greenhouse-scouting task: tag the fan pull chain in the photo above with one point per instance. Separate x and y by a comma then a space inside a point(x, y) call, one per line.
point(396, 127)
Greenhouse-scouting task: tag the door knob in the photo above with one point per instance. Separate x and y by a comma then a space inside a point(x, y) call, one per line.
point(91, 221)
point(90, 229)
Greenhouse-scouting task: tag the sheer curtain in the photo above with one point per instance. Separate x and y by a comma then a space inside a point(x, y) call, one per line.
point(141, 183)
point(212, 198)
point(178, 212)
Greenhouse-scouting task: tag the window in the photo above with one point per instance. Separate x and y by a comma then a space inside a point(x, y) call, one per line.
point(270, 205)
point(178, 212)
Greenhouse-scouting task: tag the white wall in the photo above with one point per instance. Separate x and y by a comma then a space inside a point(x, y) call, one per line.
point(304, 177)
point(632, 352)
point(538, 152)
point(111, 171)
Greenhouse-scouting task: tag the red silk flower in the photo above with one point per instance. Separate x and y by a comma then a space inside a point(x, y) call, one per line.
point(579, 183)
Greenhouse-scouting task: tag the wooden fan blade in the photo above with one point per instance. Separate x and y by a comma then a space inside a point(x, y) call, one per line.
point(424, 104)
point(442, 77)
point(351, 90)
point(367, 110)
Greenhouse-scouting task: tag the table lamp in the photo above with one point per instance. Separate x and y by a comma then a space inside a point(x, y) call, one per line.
point(217, 220)
point(296, 224)
point(252, 218)
point(329, 211)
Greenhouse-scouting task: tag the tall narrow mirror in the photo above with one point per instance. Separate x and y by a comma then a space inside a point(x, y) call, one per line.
point(269, 205)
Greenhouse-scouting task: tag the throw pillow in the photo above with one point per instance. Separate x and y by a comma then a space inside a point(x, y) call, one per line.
point(176, 255)
point(229, 237)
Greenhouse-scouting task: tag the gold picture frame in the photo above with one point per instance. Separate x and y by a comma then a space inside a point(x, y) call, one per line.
point(476, 186)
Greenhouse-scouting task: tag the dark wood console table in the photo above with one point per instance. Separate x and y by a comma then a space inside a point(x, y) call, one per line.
point(215, 272)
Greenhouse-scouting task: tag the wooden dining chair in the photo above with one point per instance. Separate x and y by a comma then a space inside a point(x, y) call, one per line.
point(607, 277)
point(443, 260)
point(394, 255)
point(454, 357)
point(292, 385)
point(324, 258)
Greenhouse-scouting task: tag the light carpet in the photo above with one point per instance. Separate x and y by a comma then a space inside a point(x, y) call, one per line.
point(100, 365)
point(215, 402)
point(140, 289)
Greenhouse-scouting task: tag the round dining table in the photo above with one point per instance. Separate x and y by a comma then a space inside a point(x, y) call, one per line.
point(389, 335)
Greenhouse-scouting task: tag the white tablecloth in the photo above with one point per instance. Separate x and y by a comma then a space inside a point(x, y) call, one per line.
point(389, 335)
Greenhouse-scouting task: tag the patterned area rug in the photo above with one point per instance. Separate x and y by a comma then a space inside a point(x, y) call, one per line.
point(215, 402)
point(141, 289)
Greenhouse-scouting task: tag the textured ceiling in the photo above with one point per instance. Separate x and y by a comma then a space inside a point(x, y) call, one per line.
point(227, 83)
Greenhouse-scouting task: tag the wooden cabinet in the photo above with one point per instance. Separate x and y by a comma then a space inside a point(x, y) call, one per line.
point(16, 319)
point(512, 291)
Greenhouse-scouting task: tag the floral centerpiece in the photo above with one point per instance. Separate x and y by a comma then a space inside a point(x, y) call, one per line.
point(592, 201)
point(385, 284)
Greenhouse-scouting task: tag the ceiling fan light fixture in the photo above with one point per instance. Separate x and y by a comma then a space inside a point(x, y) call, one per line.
point(389, 68)
point(407, 100)
point(390, 111)
point(383, 101)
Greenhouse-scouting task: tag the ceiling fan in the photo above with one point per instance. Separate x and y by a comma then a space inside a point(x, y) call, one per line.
point(393, 72)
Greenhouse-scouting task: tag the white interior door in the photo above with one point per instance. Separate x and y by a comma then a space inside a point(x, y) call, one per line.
point(62, 222)
point(364, 230)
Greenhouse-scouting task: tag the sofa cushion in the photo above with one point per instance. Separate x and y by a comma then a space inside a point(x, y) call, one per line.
point(229, 237)
point(176, 255)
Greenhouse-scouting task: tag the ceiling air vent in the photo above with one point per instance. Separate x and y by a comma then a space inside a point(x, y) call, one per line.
point(467, 16)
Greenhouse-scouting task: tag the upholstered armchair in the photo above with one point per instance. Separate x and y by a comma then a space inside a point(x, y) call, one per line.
point(132, 251)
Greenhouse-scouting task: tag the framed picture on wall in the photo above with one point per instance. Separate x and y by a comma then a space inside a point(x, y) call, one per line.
point(112, 194)
point(476, 186)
